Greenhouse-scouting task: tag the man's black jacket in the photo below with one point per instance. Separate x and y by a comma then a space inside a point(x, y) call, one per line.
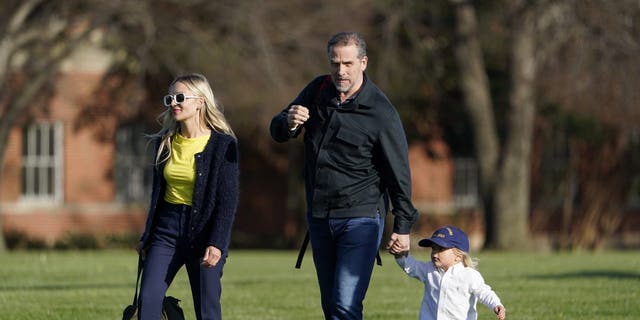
point(355, 154)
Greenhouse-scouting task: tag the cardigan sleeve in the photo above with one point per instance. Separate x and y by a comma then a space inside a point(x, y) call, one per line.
point(226, 199)
point(156, 188)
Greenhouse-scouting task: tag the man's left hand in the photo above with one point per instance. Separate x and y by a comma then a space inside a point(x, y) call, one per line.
point(399, 243)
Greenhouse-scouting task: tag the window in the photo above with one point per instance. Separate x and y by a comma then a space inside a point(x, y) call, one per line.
point(132, 165)
point(42, 162)
point(465, 183)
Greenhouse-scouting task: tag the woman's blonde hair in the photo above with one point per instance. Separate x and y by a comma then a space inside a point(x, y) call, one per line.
point(467, 260)
point(211, 116)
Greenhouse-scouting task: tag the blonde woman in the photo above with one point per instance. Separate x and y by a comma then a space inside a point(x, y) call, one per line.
point(452, 285)
point(193, 199)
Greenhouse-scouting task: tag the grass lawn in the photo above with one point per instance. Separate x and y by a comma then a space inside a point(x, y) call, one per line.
point(264, 285)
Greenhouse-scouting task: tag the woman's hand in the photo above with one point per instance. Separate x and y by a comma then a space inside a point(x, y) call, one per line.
point(140, 248)
point(211, 257)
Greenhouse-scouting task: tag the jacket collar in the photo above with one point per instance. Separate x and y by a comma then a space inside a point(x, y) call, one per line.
point(364, 98)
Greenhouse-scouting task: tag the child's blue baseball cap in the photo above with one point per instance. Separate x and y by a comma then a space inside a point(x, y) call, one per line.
point(447, 237)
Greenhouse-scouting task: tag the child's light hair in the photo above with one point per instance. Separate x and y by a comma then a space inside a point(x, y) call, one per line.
point(467, 260)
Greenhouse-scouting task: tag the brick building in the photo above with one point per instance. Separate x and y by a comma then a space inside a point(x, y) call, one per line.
point(59, 176)
point(74, 169)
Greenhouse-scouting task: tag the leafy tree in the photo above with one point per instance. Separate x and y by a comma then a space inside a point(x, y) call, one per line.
point(590, 112)
point(35, 37)
point(527, 70)
point(576, 46)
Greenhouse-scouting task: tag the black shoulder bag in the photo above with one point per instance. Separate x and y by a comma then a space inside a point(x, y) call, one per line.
point(170, 306)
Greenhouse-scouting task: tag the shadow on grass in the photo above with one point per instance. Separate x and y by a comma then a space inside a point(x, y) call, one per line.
point(609, 274)
point(59, 287)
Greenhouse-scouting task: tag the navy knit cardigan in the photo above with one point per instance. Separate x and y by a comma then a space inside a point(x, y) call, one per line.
point(215, 194)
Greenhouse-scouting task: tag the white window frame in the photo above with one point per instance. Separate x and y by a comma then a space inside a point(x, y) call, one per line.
point(37, 160)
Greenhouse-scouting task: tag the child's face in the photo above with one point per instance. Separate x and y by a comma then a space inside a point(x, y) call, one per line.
point(444, 257)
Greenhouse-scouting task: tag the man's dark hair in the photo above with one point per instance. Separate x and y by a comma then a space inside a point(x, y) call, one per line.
point(345, 39)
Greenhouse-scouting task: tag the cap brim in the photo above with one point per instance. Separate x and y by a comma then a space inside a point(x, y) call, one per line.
point(438, 241)
point(425, 243)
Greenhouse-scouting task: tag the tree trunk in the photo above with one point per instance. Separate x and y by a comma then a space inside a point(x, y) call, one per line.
point(513, 183)
point(504, 185)
point(477, 98)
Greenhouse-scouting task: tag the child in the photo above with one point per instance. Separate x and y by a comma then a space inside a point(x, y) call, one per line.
point(451, 282)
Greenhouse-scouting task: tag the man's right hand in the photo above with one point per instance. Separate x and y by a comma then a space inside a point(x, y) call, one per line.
point(297, 115)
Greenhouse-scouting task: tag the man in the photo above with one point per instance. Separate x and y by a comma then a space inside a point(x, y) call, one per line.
point(355, 162)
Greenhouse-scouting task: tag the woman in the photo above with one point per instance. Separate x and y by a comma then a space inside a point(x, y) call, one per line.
point(193, 200)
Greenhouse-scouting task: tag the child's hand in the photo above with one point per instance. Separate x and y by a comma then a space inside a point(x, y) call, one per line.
point(400, 254)
point(500, 311)
point(399, 243)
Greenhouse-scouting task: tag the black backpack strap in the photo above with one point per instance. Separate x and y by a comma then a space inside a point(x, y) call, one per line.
point(326, 81)
point(303, 248)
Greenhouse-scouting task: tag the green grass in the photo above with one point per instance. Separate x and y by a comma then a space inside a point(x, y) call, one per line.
point(264, 285)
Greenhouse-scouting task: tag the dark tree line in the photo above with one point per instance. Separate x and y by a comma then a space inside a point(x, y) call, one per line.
point(541, 93)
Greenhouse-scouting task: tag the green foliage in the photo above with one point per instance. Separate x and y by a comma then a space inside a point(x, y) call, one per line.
point(579, 126)
point(121, 241)
point(18, 240)
point(79, 241)
point(264, 285)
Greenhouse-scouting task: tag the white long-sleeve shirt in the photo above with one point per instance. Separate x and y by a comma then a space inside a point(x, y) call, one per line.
point(450, 295)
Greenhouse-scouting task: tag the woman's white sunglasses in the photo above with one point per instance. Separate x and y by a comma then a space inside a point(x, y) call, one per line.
point(178, 98)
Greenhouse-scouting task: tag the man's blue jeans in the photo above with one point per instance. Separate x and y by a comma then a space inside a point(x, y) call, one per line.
point(344, 252)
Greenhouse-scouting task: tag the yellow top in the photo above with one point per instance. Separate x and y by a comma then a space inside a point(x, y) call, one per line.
point(180, 170)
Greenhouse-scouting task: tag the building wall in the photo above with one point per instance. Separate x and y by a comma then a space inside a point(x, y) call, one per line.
point(10, 183)
point(87, 159)
point(88, 203)
point(432, 176)
point(431, 173)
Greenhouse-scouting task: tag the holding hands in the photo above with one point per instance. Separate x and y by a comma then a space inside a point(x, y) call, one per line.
point(399, 244)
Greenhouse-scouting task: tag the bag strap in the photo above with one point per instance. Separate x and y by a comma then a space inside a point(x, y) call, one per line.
point(303, 248)
point(135, 296)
